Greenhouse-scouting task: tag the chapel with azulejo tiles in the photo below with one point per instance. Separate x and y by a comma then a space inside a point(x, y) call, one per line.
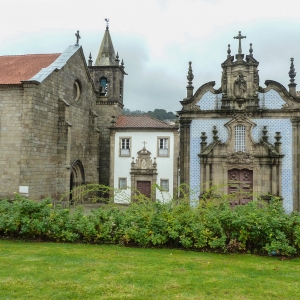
point(242, 137)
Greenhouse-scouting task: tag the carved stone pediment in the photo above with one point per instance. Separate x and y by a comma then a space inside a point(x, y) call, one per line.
point(240, 158)
point(143, 163)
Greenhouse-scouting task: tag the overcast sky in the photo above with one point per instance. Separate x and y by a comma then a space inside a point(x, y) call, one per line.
point(157, 39)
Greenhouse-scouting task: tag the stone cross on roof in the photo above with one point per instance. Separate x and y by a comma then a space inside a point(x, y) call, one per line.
point(144, 144)
point(107, 23)
point(239, 37)
point(77, 38)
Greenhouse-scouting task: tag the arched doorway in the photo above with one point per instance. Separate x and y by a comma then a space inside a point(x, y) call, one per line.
point(76, 179)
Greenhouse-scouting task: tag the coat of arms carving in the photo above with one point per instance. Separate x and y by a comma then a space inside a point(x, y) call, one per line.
point(240, 158)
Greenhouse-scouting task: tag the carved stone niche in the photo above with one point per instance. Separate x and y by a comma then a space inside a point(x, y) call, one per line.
point(143, 169)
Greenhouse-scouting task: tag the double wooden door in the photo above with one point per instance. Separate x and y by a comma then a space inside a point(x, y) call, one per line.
point(240, 186)
point(144, 187)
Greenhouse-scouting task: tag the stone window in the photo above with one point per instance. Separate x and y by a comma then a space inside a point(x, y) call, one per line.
point(76, 90)
point(103, 86)
point(123, 183)
point(240, 142)
point(163, 146)
point(164, 184)
point(125, 144)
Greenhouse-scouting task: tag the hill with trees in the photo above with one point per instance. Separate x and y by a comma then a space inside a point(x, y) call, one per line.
point(160, 114)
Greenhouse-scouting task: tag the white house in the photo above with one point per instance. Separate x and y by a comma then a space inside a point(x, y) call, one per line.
point(144, 152)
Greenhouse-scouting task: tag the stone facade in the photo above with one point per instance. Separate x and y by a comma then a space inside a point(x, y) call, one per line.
point(54, 122)
point(242, 129)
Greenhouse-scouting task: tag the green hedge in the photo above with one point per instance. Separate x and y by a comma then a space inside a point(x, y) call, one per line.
point(212, 225)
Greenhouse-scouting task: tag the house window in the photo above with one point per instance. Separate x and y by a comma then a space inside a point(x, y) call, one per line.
point(240, 143)
point(163, 146)
point(125, 147)
point(123, 183)
point(164, 184)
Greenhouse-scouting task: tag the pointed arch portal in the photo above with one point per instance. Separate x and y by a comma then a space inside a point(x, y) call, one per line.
point(77, 177)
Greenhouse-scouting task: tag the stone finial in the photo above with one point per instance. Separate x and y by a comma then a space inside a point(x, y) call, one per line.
point(113, 121)
point(117, 60)
point(122, 64)
point(215, 133)
point(265, 136)
point(203, 142)
point(292, 74)
point(78, 37)
point(228, 51)
point(90, 60)
point(278, 143)
point(190, 77)
point(251, 50)
point(132, 163)
point(154, 163)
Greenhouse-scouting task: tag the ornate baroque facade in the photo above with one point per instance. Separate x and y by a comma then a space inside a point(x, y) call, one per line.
point(242, 133)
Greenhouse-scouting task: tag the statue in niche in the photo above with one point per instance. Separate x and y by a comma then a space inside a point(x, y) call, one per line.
point(240, 86)
point(144, 163)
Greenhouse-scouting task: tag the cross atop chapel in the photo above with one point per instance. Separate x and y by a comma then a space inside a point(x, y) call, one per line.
point(144, 144)
point(77, 38)
point(239, 37)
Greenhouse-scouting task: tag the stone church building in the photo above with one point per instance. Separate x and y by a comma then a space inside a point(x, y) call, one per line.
point(55, 110)
point(242, 137)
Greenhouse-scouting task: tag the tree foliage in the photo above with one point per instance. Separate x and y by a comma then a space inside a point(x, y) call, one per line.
point(160, 114)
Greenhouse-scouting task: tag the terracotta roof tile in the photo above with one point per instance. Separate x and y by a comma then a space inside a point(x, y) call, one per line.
point(14, 68)
point(140, 122)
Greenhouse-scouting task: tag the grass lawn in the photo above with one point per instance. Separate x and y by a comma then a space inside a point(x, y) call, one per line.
point(75, 271)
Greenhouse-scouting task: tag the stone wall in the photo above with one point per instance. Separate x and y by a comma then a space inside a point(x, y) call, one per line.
point(52, 130)
point(10, 139)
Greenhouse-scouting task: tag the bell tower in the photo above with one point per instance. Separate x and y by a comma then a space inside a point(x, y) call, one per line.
point(108, 76)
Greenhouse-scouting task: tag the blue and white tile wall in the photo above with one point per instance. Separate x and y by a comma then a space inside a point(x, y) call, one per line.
point(210, 101)
point(285, 127)
point(269, 100)
point(273, 125)
point(198, 126)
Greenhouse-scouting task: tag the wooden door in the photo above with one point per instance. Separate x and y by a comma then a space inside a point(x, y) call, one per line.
point(144, 187)
point(240, 185)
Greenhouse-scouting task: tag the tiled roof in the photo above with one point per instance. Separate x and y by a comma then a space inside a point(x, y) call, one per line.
point(14, 68)
point(140, 122)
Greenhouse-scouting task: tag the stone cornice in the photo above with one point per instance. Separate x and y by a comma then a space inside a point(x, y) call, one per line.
point(209, 86)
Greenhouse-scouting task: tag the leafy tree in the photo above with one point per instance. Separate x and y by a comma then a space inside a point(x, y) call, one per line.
point(160, 114)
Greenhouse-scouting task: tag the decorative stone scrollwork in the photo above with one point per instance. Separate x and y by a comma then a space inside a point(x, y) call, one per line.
point(194, 107)
point(287, 106)
point(240, 158)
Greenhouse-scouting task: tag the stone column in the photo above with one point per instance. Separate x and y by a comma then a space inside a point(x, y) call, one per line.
point(207, 175)
point(296, 163)
point(185, 124)
point(274, 179)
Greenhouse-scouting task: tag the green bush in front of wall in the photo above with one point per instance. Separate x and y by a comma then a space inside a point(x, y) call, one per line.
point(212, 225)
